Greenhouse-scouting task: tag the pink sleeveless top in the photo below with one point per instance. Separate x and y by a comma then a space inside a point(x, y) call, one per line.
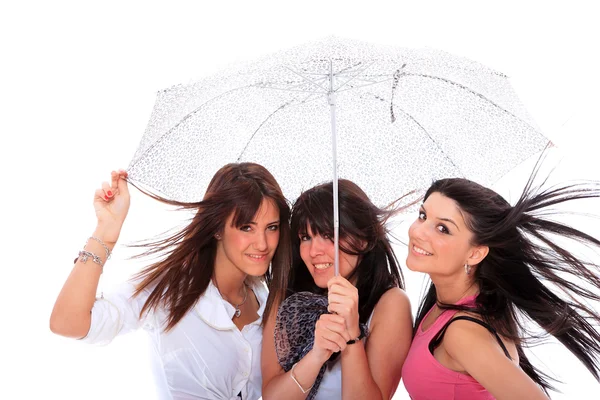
point(426, 379)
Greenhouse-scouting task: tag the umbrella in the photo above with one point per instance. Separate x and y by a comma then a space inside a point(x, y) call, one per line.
point(401, 118)
point(393, 118)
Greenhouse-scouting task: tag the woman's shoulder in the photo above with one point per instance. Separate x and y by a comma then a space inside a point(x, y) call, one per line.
point(393, 302)
point(465, 333)
point(390, 325)
point(393, 297)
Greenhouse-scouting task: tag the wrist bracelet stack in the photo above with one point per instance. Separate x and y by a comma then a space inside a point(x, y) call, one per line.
point(101, 244)
point(85, 255)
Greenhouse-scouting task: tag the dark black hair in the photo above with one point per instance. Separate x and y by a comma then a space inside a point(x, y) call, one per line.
point(524, 264)
point(363, 233)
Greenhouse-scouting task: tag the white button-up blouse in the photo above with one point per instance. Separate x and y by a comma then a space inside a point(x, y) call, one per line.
point(205, 356)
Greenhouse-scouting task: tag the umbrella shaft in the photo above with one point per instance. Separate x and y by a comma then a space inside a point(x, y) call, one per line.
point(336, 221)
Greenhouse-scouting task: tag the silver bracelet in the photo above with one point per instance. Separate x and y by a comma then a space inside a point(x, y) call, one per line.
point(304, 391)
point(85, 255)
point(108, 254)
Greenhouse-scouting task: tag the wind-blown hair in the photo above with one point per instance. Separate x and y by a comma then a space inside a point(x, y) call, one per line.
point(362, 232)
point(182, 276)
point(524, 262)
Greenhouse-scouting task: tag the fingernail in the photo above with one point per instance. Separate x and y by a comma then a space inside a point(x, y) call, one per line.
point(105, 197)
point(109, 193)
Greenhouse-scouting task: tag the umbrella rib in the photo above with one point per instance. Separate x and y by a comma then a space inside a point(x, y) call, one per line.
point(268, 117)
point(342, 72)
point(371, 83)
point(188, 115)
point(306, 100)
point(432, 139)
point(260, 126)
point(298, 84)
point(324, 76)
point(366, 85)
point(348, 73)
point(315, 82)
point(348, 69)
point(291, 90)
point(301, 83)
point(469, 90)
point(547, 146)
point(307, 78)
point(353, 76)
point(373, 80)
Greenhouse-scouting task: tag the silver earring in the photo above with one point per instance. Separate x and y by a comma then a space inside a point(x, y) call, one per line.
point(218, 236)
point(468, 269)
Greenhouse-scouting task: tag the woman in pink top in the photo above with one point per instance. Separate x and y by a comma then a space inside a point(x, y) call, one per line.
point(486, 274)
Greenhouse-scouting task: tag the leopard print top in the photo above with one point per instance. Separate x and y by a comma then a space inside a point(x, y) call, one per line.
point(295, 332)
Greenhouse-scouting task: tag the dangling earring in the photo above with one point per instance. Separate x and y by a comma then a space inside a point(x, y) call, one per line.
point(468, 269)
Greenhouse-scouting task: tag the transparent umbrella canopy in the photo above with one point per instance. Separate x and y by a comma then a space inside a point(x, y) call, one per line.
point(390, 119)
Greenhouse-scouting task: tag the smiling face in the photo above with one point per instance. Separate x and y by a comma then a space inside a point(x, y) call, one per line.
point(250, 247)
point(318, 255)
point(439, 240)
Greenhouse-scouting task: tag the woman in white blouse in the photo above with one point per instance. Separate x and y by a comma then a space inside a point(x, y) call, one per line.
point(202, 303)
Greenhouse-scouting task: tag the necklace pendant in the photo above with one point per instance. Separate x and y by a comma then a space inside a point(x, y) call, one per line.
point(237, 313)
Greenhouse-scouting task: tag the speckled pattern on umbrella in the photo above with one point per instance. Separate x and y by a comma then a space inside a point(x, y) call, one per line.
point(404, 117)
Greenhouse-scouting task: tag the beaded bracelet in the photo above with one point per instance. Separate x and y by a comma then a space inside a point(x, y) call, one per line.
point(364, 332)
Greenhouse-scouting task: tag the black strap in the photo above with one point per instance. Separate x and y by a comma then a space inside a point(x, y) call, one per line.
point(440, 335)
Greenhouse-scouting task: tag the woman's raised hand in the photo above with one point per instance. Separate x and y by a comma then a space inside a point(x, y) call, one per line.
point(330, 336)
point(111, 203)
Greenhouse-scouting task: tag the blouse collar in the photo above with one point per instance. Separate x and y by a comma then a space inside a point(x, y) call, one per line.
point(218, 312)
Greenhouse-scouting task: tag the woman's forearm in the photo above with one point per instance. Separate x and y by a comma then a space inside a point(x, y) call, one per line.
point(284, 386)
point(357, 381)
point(71, 315)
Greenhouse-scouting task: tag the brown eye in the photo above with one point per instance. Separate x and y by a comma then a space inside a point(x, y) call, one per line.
point(443, 229)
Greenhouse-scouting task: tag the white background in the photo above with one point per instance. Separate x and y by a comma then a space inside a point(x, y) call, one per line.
point(77, 85)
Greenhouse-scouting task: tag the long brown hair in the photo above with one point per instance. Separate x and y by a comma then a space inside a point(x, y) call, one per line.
point(184, 273)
